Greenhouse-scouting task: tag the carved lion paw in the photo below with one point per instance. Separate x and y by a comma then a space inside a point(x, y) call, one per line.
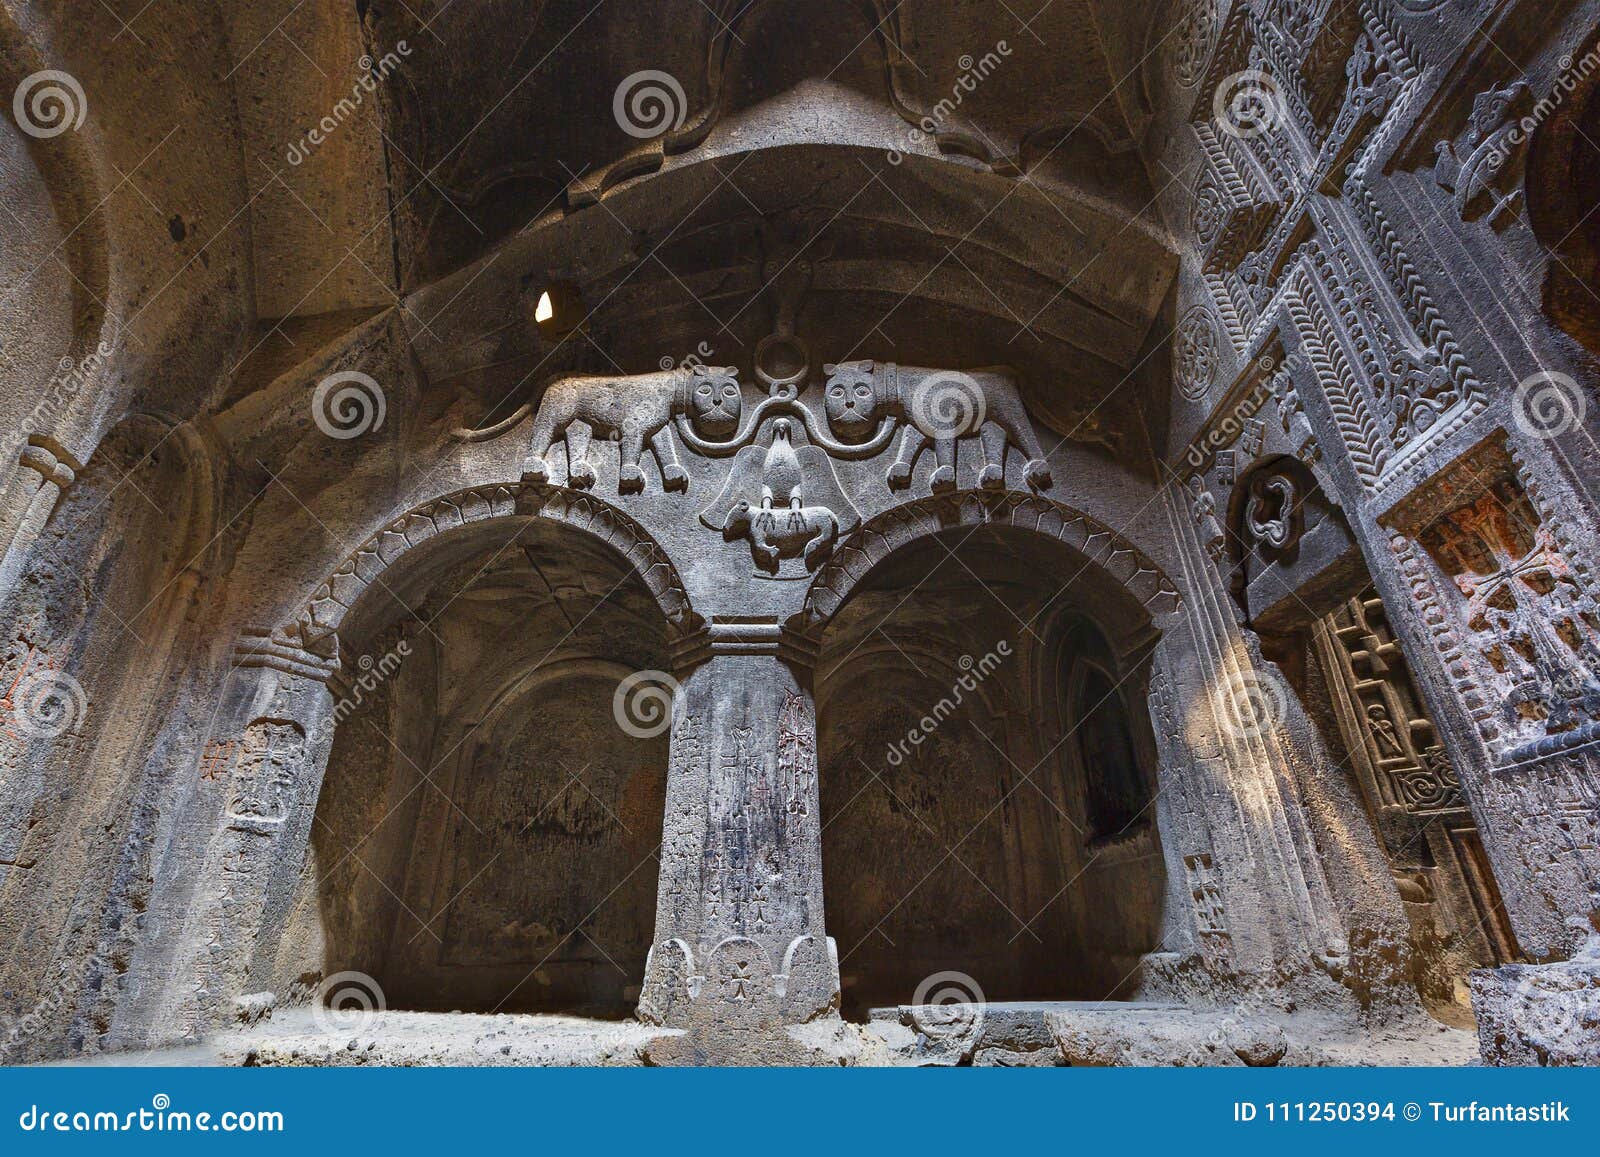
point(944, 478)
point(1037, 472)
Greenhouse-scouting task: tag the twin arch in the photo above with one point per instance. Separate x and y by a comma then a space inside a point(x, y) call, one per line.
point(317, 625)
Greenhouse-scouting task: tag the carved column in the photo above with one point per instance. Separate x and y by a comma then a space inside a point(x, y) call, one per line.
point(739, 925)
point(260, 771)
point(1262, 894)
point(43, 476)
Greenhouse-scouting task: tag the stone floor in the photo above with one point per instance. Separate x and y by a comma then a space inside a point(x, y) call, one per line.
point(1021, 1034)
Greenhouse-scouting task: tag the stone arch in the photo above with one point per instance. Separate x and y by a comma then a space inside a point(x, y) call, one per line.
point(531, 769)
point(317, 624)
point(1563, 191)
point(875, 539)
point(937, 715)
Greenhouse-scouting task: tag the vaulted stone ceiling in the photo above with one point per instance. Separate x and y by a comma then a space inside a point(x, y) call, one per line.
point(934, 182)
point(526, 118)
point(494, 160)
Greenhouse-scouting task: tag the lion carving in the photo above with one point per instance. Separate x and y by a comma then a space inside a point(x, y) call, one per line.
point(939, 407)
point(634, 409)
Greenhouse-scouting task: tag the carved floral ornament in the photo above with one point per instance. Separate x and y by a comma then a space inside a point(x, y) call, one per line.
point(1197, 353)
point(1193, 25)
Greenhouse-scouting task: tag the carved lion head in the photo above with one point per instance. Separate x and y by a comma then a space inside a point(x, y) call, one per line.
point(850, 399)
point(715, 401)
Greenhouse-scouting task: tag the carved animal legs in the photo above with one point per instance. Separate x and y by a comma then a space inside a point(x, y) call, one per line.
point(993, 474)
point(994, 437)
point(630, 479)
point(944, 474)
point(1037, 471)
point(579, 472)
point(821, 543)
point(911, 443)
point(544, 433)
point(673, 475)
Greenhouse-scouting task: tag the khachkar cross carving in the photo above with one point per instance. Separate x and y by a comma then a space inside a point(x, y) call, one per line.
point(782, 494)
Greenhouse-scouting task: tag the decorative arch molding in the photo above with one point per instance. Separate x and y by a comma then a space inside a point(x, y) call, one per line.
point(1563, 190)
point(878, 537)
point(70, 165)
point(317, 625)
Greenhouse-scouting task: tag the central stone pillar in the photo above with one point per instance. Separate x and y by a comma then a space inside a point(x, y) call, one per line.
point(739, 949)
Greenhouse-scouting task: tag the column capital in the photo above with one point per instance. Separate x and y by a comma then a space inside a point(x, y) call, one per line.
point(740, 635)
point(49, 463)
point(263, 648)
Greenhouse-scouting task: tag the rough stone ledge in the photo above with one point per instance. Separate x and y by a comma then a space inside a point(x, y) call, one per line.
point(1013, 1035)
point(300, 1038)
point(1093, 1033)
point(1540, 1014)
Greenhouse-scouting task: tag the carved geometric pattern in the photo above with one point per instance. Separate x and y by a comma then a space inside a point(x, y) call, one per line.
point(1381, 712)
point(1339, 382)
point(1229, 212)
point(1531, 614)
point(1190, 44)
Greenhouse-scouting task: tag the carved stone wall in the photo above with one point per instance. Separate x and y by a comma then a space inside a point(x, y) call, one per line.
point(1258, 332)
point(1364, 223)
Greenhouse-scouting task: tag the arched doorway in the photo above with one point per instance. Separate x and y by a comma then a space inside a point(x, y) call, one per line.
point(487, 833)
point(987, 775)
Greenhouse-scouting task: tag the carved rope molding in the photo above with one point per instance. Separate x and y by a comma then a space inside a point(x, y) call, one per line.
point(317, 625)
point(879, 536)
